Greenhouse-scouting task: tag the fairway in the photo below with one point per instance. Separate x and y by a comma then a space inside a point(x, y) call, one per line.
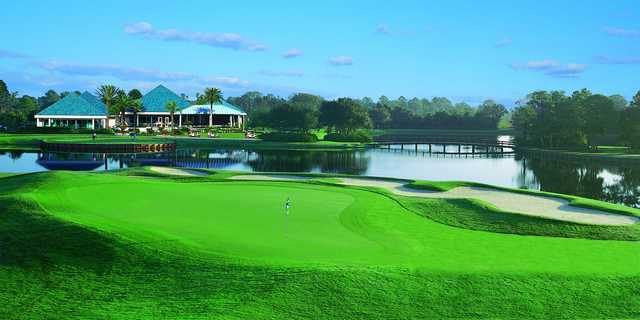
point(352, 240)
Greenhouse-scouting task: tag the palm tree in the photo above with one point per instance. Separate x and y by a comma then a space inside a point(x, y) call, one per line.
point(107, 94)
point(136, 107)
point(172, 108)
point(211, 96)
point(120, 106)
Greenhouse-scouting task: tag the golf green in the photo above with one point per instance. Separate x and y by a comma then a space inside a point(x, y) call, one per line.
point(87, 245)
point(326, 225)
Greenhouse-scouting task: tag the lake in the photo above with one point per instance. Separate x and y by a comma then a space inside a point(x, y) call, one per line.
point(612, 183)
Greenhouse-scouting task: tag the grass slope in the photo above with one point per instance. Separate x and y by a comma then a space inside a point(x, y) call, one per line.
point(86, 245)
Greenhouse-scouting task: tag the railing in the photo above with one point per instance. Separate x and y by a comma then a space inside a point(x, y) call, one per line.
point(108, 147)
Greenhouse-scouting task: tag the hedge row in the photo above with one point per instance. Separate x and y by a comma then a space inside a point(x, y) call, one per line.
point(289, 137)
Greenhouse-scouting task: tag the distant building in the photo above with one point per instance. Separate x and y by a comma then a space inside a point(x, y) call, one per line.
point(87, 111)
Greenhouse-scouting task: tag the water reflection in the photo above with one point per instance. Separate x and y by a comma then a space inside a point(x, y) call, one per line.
point(594, 180)
point(613, 183)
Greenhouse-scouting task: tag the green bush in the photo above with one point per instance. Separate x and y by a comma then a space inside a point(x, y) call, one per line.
point(353, 137)
point(289, 137)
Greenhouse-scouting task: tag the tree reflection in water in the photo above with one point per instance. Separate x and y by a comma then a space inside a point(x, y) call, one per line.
point(310, 161)
point(590, 179)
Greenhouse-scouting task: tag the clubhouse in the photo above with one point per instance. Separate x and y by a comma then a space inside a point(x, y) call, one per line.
point(87, 111)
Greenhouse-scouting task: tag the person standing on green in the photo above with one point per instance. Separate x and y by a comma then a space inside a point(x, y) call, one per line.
point(287, 205)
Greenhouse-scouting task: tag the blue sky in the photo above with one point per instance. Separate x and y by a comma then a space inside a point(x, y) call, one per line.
point(463, 50)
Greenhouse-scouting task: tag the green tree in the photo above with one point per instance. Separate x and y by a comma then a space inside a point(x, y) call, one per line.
point(306, 100)
point(619, 102)
point(287, 117)
point(108, 94)
point(212, 96)
point(49, 98)
point(172, 108)
point(119, 107)
point(7, 100)
point(635, 101)
point(344, 115)
point(599, 115)
point(134, 94)
point(380, 115)
point(630, 127)
point(490, 113)
point(523, 120)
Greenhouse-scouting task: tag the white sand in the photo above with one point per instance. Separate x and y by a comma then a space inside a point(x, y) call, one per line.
point(547, 207)
point(177, 172)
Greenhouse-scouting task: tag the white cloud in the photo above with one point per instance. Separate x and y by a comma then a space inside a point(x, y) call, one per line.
point(232, 41)
point(552, 68)
point(123, 73)
point(292, 53)
point(629, 33)
point(341, 61)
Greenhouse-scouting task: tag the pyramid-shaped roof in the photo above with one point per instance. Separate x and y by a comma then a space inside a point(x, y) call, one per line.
point(94, 101)
point(75, 105)
point(156, 100)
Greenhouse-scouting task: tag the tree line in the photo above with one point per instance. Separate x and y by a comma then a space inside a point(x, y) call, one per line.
point(552, 119)
point(437, 113)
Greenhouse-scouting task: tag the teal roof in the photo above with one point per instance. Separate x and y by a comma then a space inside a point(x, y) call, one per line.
point(224, 108)
point(75, 105)
point(94, 101)
point(156, 100)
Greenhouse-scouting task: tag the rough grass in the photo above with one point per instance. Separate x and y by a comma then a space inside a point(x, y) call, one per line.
point(100, 255)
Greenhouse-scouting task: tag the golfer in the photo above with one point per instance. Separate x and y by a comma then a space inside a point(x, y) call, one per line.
point(287, 205)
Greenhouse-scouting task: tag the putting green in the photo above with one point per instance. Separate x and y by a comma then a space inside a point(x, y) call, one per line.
point(244, 222)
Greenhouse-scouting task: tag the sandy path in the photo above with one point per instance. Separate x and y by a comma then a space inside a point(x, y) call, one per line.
point(547, 207)
point(177, 172)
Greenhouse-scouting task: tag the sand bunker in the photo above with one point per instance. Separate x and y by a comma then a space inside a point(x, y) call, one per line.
point(177, 172)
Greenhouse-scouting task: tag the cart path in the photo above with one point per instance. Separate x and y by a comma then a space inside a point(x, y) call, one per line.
point(539, 206)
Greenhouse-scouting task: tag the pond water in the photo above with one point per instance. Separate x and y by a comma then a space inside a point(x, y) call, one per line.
point(613, 183)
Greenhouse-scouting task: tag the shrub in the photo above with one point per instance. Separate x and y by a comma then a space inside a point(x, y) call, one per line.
point(353, 137)
point(289, 137)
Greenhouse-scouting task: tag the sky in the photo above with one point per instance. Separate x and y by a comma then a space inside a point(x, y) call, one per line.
point(463, 50)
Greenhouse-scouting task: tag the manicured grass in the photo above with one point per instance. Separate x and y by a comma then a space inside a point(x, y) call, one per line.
point(113, 245)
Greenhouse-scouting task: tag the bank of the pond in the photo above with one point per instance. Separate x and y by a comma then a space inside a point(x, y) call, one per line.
point(601, 155)
point(15, 141)
point(205, 246)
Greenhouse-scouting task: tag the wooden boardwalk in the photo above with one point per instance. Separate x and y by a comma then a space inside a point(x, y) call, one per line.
point(448, 147)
